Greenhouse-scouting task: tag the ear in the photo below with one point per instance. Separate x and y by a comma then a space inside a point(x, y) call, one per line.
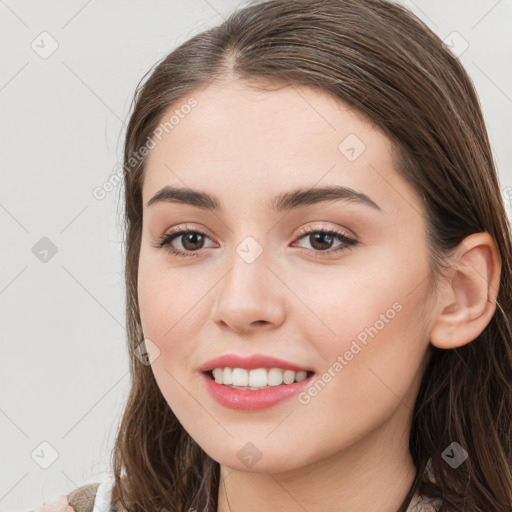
point(467, 298)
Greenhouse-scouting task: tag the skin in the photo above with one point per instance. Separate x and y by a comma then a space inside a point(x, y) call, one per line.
point(348, 447)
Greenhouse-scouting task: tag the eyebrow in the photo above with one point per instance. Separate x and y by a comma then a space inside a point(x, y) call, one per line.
point(282, 202)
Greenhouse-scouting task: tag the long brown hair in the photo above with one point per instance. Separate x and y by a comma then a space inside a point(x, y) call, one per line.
point(383, 61)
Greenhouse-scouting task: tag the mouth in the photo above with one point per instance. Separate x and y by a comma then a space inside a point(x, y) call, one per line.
point(255, 389)
point(256, 378)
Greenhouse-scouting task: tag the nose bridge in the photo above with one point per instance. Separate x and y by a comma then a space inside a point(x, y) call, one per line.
point(249, 266)
point(249, 292)
point(249, 273)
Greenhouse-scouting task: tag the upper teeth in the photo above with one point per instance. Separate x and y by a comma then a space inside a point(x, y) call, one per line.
point(257, 378)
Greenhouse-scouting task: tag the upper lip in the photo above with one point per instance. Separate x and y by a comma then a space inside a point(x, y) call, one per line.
point(250, 362)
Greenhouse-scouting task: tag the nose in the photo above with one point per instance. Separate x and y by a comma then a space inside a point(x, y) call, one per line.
point(249, 298)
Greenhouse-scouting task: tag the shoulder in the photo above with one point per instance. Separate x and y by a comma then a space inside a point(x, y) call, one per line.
point(59, 504)
point(79, 500)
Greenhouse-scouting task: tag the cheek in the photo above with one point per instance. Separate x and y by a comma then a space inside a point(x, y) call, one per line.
point(371, 315)
point(368, 326)
point(169, 304)
point(172, 305)
point(381, 289)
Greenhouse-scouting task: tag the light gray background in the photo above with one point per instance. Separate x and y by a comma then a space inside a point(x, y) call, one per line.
point(64, 369)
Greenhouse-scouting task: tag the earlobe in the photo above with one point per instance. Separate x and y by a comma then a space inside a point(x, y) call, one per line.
point(467, 299)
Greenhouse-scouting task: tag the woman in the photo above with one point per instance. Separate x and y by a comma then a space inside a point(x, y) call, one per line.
point(318, 270)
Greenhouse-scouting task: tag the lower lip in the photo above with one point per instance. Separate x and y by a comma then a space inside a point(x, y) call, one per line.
point(250, 400)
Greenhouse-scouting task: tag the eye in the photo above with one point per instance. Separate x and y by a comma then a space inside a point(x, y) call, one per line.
point(321, 238)
point(190, 241)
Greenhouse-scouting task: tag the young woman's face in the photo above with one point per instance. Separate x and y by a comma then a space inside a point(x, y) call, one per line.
point(261, 276)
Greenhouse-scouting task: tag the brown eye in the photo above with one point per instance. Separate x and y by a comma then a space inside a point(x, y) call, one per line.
point(191, 241)
point(321, 241)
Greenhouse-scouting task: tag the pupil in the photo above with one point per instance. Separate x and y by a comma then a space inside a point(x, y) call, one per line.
point(318, 237)
point(191, 237)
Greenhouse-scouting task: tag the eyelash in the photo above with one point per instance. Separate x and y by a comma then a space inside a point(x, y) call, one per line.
point(166, 240)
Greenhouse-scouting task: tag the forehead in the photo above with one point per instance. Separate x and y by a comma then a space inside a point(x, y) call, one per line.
point(240, 142)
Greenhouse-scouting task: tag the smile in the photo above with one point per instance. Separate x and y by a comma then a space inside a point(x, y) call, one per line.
point(256, 398)
point(258, 378)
